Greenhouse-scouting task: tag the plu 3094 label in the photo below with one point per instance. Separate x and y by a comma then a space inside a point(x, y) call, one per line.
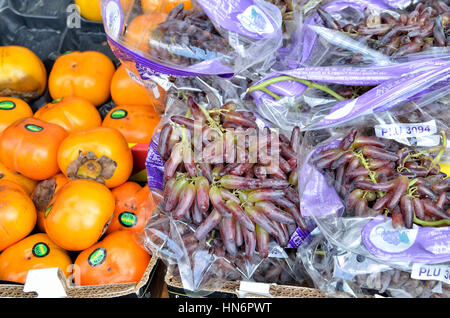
point(399, 130)
point(431, 272)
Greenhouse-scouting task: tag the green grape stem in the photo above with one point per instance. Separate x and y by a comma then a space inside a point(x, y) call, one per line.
point(263, 86)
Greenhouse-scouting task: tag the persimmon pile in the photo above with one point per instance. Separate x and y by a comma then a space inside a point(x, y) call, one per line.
point(65, 194)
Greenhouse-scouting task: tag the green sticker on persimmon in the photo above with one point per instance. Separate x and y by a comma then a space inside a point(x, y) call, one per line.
point(128, 219)
point(33, 128)
point(97, 257)
point(119, 114)
point(40, 249)
point(7, 105)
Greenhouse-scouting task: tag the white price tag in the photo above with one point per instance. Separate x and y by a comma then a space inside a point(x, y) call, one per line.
point(431, 272)
point(398, 131)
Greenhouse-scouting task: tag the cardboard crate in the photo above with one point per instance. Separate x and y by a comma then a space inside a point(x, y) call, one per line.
point(232, 290)
point(148, 287)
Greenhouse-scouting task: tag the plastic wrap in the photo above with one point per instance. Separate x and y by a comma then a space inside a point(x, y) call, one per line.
point(341, 273)
point(373, 31)
point(394, 138)
point(210, 38)
point(329, 62)
point(211, 246)
point(293, 97)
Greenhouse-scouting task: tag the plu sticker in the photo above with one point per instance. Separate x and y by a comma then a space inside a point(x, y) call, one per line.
point(97, 257)
point(40, 249)
point(119, 114)
point(7, 105)
point(33, 128)
point(128, 219)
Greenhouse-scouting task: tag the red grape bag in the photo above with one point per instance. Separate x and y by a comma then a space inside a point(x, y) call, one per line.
point(373, 173)
point(227, 187)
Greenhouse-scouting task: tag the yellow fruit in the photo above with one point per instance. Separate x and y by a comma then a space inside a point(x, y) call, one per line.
point(90, 9)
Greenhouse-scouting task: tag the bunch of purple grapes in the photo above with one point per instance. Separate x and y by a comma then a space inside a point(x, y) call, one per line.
point(424, 27)
point(374, 176)
point(187, 37)
point(227, 191)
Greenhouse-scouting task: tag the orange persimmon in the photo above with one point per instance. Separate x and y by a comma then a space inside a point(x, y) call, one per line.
point(136, 123)
point(118, 258)
point(127, 91)
point(11, 110)
point(78, 214)
point(43, 195)
point(33, 252)
point(82, 74)
point(17, 213)
point(29, 146)
point(138, 32)
point(101, 154)
point(71, 113)
point(27, 184)
point(134, 208)
point(22, 73)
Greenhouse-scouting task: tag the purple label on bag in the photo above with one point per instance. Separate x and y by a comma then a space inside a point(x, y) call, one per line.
point(155, 165)
point(245, 17)
point(360, 76)
point(385, 96)
point(148, 68)
point(419, 244)
point(112, 15)
point(298, 238)
point(317, 197)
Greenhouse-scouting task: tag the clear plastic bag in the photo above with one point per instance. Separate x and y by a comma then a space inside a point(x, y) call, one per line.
point(339, 272)
point(372, 31)
point(292, 97)
point(394, 140)
point(200, 244)
point(201, 38)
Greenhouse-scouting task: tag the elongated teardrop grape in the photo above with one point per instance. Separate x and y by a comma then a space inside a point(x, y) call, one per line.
point(218, 202)
point(407, 209)
point(419, 210)
point(274, 213)
point(361, 141)
point(379, 153)
point(228, 234)
point(186, 200)
point(258, 217)
point(186, 122)
point(250, 242)
point(208, 224)
point(174, 195)
point(398, 191)
point(432, 209)
point(163, 141)
point(171, 165)
point(240, 215)
point(348, 140)
point(202, 194)
point(240, 119)
point(264, 194)
point(262, 242)
point(195, 109)
point(342, 160)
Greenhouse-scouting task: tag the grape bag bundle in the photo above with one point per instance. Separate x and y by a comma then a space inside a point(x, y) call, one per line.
point(284, 119)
